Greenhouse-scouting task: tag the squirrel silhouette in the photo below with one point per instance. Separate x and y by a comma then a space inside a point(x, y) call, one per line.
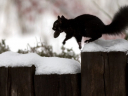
point(90, 26)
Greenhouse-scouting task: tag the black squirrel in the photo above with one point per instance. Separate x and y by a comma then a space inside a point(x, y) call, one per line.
point(90, 26)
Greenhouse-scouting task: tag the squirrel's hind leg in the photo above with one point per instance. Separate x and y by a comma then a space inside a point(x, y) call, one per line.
point(93, 39)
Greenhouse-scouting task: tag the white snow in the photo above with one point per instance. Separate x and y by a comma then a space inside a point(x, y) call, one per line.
point(44, 65)
point(106, 45)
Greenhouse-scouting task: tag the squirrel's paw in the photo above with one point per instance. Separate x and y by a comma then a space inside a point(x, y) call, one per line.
point(79, 47)
point(64, 43)
point(87, 41)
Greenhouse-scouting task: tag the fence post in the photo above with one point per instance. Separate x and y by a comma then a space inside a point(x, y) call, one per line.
point(58, 85)
point(115, 74)
point(3, 81)
point(103, 74)
point(22, 81)
point(17, 81)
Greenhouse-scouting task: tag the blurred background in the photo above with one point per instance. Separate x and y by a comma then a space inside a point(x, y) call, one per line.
point(25, 24)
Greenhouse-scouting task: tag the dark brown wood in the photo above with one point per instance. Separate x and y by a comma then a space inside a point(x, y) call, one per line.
point(115, 72)
point(92, 71)
point(21, 81)
point(3, 81)
point(70, 85)
point(57, 85)
point(64, 89)
point(76, 84)
point(104, 74)
point(126, 77)
point(46, 85)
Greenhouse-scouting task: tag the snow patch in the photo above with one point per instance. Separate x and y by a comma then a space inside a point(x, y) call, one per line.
point(44, 65)
point(102, 45)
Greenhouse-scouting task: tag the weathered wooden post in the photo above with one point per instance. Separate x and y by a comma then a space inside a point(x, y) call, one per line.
point(103, 74)
point(17, 81)
point(3, 81)
point(58, 85)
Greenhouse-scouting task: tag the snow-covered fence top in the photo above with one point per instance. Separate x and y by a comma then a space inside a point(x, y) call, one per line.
point(44, 65)
point(104, 68)
point(102, 45)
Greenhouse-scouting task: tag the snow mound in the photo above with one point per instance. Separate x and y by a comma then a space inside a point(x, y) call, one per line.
point(44, 65)
point(102, 45)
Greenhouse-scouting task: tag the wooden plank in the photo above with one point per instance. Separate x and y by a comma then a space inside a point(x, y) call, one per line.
point(3, 81)
point(126, 77)
point(57, 85)
point(65, 85)
point(76, 84)
point(46, 85)
point(115, 74)
point(21, 81)
point(70, 85)
point(92, 72)
point(104, 74)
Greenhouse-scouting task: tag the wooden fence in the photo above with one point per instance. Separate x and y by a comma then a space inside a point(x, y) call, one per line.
point(102, 74)
point(22, 81)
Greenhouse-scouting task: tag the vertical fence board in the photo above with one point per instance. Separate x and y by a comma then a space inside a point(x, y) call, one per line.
point(57, 85)
point(3, 81)
point(62, 88)
point(76, 84)
point(21, 81)
point(46, 85)
point(126, 77)
point(92, 71)
point(105, 72)
point(115, 72)
point(66, 85)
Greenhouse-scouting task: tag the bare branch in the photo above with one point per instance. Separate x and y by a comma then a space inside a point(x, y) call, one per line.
point(101, 9)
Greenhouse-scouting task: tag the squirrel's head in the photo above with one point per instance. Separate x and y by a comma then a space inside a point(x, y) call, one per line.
point(58, 26)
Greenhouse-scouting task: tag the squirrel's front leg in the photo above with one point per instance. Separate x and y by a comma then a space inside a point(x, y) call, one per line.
point(67, 37)
point(79, 43)
point(78, 39)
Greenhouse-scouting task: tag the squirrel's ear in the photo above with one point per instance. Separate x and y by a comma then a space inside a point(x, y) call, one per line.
point(58, 17)
point(62, 17)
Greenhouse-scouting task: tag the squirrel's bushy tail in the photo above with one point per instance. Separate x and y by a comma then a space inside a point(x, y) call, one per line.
point(119, 22)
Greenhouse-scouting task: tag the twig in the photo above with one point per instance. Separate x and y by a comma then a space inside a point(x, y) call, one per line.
point(102, 9)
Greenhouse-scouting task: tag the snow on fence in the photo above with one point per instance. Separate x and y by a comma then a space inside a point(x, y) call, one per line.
point(21, 81)
point(104, 69)
point(103, 72)
point(47, 77)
